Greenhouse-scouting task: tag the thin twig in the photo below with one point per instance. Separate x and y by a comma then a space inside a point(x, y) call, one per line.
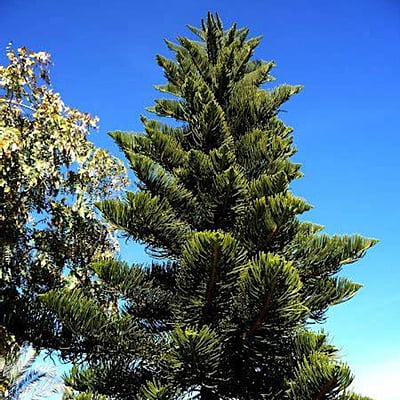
point(15, 103)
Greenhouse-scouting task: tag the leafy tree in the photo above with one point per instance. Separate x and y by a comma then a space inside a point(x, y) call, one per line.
point(50, 175)
point(224, 311)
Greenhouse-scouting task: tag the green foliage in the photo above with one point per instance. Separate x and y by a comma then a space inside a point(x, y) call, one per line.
point(269, 297)
point(194, 356)
point(318, 377)
point(206, 280)
point(154, 391)
point(226, 313)
point(85, 396)
point(50, 175)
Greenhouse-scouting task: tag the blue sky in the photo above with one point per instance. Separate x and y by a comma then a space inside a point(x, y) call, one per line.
point(346, 120)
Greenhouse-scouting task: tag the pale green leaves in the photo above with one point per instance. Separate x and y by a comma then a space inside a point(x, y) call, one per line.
point(319, 377)
point(153, 390)
point(50, 175)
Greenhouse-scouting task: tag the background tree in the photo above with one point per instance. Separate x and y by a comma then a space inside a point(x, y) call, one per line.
point(23, 376)
point(225, 312)
point(50, 175)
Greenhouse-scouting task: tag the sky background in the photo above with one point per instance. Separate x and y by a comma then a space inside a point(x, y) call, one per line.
point(346, 120)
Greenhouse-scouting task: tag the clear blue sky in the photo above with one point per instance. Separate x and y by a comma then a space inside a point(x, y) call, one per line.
point(345, 52)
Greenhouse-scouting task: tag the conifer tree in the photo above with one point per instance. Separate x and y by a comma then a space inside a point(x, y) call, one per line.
point(224, 311)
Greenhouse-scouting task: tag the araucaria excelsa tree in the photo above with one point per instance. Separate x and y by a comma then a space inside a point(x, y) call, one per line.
point(224, 312)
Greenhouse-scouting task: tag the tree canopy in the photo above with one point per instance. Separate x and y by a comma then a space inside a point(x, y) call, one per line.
point(50, 175)
point(224, 310)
